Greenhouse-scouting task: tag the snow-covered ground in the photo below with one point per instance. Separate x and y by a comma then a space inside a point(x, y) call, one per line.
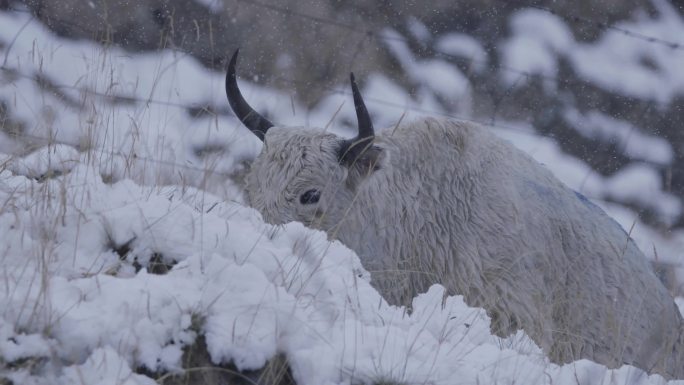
point(124, 235)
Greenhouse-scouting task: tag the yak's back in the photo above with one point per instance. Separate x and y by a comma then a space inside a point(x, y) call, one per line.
point(473, 212)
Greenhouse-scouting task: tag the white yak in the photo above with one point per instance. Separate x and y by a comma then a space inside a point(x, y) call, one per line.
point(443, 201)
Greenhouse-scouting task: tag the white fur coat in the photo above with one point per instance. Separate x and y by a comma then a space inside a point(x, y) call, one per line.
point(447, 202)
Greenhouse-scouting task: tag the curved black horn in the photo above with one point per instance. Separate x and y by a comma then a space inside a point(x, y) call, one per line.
point(365, 125)
point(352, 148)
point(250, 118)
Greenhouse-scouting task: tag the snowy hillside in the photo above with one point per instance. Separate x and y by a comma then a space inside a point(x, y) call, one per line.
point(125, 241)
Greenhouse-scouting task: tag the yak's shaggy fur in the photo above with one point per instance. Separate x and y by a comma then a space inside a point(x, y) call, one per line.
point(440, 201)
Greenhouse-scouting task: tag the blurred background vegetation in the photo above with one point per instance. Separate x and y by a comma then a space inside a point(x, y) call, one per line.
point(306, 47)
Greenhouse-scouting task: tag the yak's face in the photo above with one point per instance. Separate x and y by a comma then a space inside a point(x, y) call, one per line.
point(298, 177)
point(304, 174)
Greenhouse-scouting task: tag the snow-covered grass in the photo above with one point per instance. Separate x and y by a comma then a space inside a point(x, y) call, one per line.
point(76, 309)
point(124, 239)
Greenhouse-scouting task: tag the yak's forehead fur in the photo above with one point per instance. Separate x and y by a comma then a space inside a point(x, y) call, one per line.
point(292, 161)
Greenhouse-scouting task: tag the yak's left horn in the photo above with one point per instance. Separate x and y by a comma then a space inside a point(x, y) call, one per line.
point(250, 118)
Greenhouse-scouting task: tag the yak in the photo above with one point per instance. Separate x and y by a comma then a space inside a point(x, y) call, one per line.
point(444, 201)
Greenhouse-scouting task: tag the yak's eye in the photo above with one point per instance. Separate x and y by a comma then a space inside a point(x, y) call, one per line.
point(309, 197)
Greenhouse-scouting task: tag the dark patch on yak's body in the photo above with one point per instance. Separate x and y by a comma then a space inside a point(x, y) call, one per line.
point(585, 200)
point(542, 193)
point(592, 206)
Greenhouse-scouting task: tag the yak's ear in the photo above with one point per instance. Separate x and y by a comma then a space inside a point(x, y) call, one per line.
point(359, 163)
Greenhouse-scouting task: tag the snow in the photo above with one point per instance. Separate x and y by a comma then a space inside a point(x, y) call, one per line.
point(537, 38)
point(418, 30)
point(617, 62)
point(103, 367)
point(59, 158)
point(17, 346)
point(214, 6)
point(465, 46)
point(441, 77)
point(85, 182)
point(640, 183)
point(636, 145)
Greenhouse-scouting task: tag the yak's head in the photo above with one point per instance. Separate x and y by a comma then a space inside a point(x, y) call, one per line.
point(304, 174)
